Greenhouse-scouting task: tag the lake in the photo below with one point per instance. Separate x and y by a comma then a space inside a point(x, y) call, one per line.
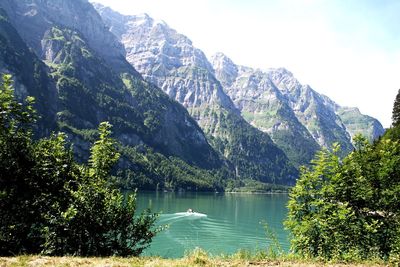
point(221, 223)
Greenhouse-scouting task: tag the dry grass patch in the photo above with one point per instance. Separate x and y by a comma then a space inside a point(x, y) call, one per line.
point(196, 258)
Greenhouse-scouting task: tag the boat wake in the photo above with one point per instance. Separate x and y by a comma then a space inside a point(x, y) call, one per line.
point(196, 214)
point(178, 216)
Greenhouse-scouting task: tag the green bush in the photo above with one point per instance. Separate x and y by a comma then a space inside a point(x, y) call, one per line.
point(348, 209)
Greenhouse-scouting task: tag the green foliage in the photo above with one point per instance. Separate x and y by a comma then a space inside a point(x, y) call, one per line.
point(299, 149)
point(103, 153)
point(292, 137)
point(251, 152)
point(15, 148)
point(348, 209)
point(52, 205)
point(150, 170)
point(392, 133)
point(396, 110)
point(13, 115)
point(253, 186)
point(274, 247)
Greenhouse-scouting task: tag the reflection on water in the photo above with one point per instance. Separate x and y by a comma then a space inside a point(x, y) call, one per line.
point(220, 223)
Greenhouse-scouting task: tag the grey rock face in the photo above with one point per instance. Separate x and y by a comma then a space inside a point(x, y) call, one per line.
point(274, 101)
point(266, 107)
point(310, 108)
point(309, 105)
point(167, 59)
point(357, 123)
point(29, 75)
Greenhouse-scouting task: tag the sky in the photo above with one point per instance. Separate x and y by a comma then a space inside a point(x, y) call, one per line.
point(348, 50)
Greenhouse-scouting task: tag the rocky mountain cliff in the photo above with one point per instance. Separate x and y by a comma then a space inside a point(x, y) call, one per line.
point(169, 60)
point(355, 122)
point(266, 107)
point(78, 84)
point(299, 120)
point(292, 113)
point(34, 18)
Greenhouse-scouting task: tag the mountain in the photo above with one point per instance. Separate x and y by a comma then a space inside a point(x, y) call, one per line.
point(295, 115)
point(30, 75)
point(170, 61)
point(322, 116)
point(55, 50)
point(298, 119)
point(357, 123)
point(266, 107)
point(33, 18)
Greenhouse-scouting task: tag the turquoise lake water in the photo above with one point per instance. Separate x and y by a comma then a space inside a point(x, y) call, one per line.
point(221, 224)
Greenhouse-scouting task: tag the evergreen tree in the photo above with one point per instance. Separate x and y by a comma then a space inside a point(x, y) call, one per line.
point(396, 110)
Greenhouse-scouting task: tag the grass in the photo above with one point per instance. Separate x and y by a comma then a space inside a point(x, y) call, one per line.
point(197, 257)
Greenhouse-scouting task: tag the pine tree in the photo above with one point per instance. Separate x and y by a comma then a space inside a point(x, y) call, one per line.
point(396, 110)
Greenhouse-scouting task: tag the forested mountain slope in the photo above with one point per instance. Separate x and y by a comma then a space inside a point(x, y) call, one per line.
point(77, 84)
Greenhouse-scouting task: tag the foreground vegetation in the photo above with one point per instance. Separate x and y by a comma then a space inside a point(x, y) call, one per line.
point(52, 205)
point(196, 258)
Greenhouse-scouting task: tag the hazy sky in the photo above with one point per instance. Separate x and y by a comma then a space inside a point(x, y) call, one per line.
point(348, 50)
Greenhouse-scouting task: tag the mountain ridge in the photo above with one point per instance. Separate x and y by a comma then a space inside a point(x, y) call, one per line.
point(165, 57)
point(292, 90)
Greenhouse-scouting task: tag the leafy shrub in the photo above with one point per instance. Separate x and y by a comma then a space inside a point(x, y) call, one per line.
point(348, 209)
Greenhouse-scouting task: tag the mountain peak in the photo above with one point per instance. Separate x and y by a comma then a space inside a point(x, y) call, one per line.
point(35, 17)
point(145, 20)
point(219, 56)
point(219, 60)
point(224, 67)
point(165, 47)
point(281, 71)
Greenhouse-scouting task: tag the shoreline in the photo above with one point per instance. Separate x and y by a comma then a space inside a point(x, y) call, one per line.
point(211, 192)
